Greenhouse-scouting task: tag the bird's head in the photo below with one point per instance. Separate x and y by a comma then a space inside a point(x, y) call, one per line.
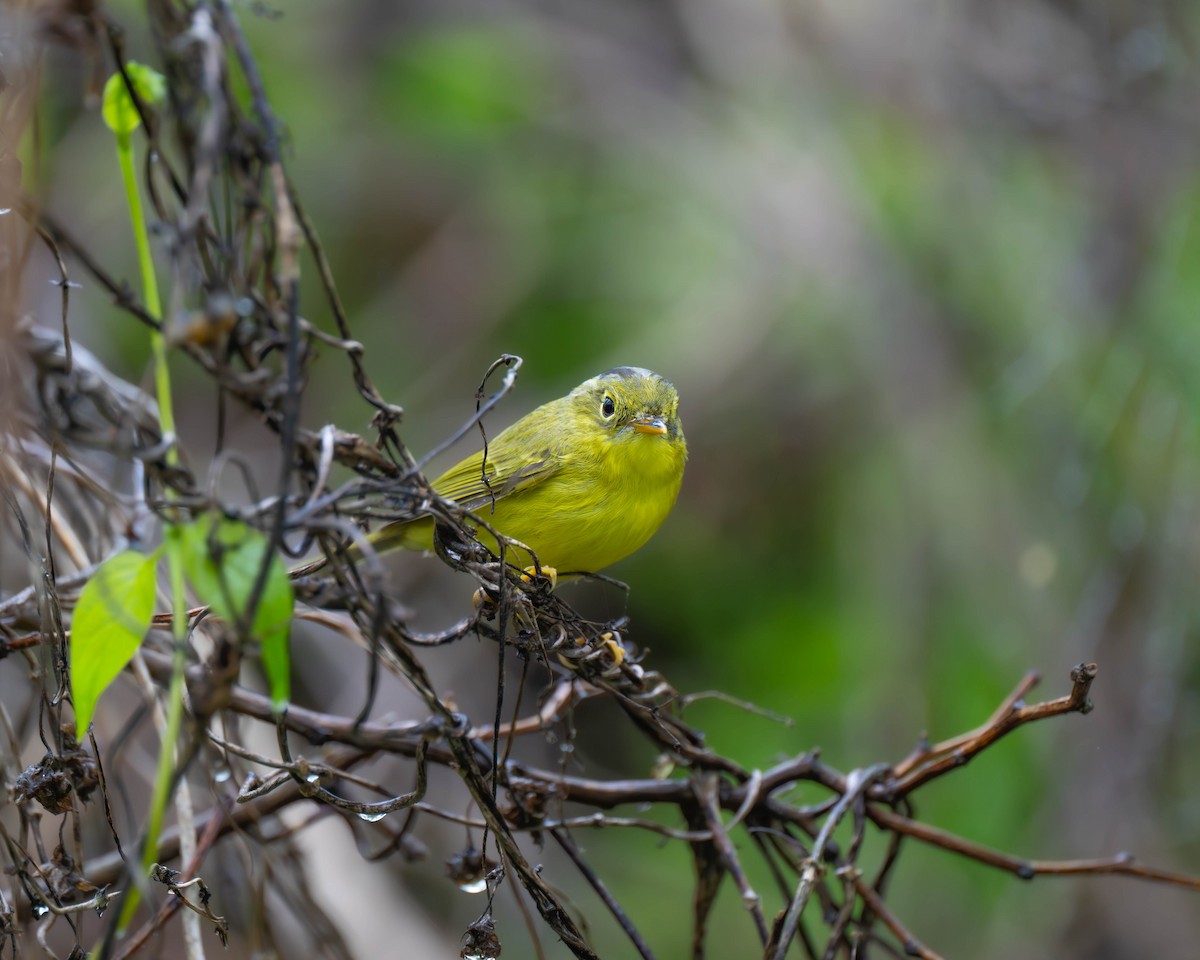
point(631, 403)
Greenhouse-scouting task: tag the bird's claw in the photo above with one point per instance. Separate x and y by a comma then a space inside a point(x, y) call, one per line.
point(549, 573)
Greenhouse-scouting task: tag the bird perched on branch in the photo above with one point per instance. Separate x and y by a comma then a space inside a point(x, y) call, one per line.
point(582, 481)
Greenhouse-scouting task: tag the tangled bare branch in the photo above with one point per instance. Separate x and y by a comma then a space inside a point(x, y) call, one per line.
point(85, 472)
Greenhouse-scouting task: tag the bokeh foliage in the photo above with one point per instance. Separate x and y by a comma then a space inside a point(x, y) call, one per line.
point(928, 279)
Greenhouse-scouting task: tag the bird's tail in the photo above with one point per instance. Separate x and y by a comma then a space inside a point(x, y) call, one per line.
point(398, 535)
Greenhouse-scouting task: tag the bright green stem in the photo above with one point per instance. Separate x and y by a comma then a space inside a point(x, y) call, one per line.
point(141, 238)
point(174, 546)
point(166, 765)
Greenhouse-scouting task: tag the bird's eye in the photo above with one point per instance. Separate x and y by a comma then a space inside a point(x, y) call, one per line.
point(608, 407)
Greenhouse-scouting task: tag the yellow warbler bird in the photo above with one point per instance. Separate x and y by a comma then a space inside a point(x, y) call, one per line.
point(582, 481)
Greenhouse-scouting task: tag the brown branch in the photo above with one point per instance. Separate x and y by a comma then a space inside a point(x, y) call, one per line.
point(568, 844)
point(234, 234)
point(784, 931)
point(705, 787)
point(924, 752)
point(912, 946)
point(108, 867)
point(957, 752)
point(1122, 863)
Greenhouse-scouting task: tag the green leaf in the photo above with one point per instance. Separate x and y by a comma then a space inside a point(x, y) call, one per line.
point(111, 618)
point(118, 108)
point(222, 558)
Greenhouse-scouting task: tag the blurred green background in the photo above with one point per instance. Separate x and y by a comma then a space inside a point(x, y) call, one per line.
point(927, 277)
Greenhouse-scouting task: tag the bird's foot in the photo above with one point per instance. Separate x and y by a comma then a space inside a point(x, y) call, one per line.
point(482, 601)
point(549, 573)
point(613, 643)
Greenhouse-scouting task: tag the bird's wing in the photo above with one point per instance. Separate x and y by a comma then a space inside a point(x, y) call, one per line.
point(506, 472)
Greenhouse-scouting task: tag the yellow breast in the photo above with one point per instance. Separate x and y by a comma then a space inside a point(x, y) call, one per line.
point(596, 510)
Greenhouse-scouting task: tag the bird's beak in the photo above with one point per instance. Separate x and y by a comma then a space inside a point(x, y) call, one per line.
point(655, 426)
